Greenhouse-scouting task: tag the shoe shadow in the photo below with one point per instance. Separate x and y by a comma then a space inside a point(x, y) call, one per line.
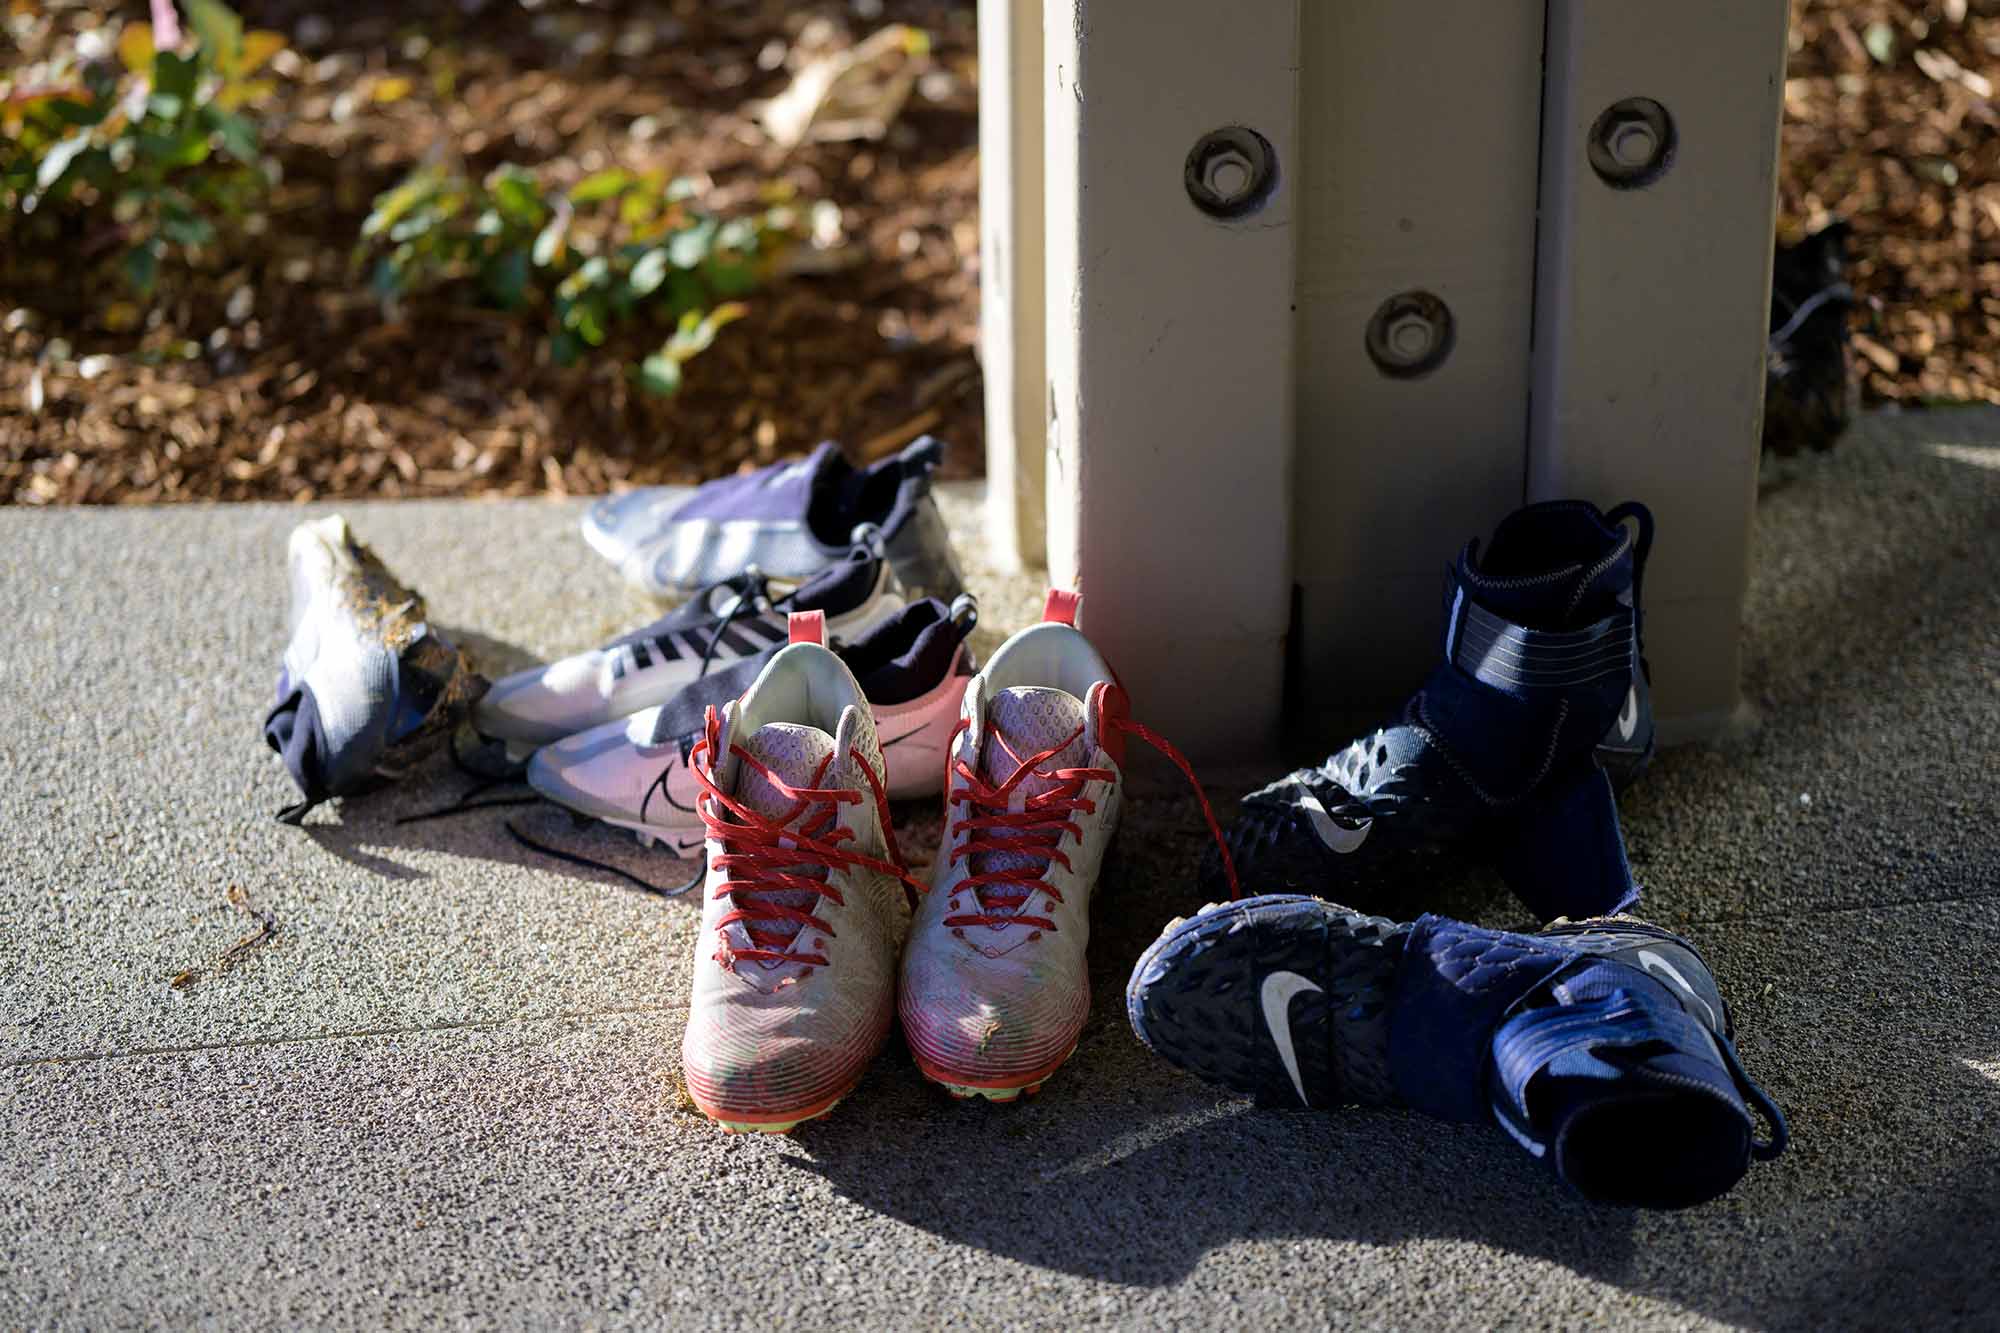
point(1126, 1170)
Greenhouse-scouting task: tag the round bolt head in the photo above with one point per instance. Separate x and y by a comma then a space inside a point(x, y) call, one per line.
point(1632, 143)
point(1229, 175)
point(1231, 172)
point(1410, 335)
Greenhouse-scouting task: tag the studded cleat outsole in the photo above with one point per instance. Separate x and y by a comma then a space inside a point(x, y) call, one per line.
point(1603, 1047)
point(1282, 998)
point(995, 1092)
point(736, 1126)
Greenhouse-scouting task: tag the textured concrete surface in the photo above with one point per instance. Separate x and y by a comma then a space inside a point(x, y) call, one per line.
point(442, 1090)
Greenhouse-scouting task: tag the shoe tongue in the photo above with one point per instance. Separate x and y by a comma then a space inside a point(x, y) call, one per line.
point(793, 754)
point(1023, 721)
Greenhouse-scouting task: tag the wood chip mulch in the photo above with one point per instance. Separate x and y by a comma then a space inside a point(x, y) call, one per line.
point(271, 374)
point(305, 389)
point(1890, 121)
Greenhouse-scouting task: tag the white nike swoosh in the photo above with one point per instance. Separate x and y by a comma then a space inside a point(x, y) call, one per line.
point(1339, 837)
point(1628, 717)
point(1652, 962)
point(1278, 990)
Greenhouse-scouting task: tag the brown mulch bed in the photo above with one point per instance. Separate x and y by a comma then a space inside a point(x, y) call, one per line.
point(1891, 121)
point(313, 392)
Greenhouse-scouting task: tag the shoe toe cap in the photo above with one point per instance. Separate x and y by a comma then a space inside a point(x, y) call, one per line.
point(602, 773)
point(543, 704)
point(768, 1059)
point(980, 1021)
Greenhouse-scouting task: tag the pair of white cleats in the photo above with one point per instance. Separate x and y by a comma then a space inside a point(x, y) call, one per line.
point(814, 933)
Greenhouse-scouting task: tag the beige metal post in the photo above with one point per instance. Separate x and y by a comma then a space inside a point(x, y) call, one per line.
point(1011, 283)
point(1652, 300)
point(1440, 306)
point(1170, 349)
point(1419, 131)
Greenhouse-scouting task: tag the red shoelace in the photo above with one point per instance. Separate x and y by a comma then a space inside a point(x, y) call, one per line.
point(768, 854)
point(1038, 828)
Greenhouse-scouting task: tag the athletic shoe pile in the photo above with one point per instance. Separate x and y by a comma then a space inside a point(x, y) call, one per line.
point(821, 670)
point(795, 972)
point(1601, 1044)
point(790, 521)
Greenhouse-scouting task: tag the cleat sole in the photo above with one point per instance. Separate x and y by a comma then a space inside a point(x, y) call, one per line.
point(1028, 1085)
point(1196, 999)
point(783, 1122)
point(767, 1126)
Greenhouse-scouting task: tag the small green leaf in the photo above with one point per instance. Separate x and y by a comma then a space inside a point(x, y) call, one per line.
point(599, 186)
point(586, 319)
point(549, 245)
point(649, 273)
point(166, 106)
point(517, 196)
point(237, 136)
point(58, 158)
point(221, 32)
point(415, 225)
point(387, 279)
point(737, 234)
point(594, 273)
point(506, 279)
point(727, 277)
point(187, 229)
point(638, 208)
point(660, 375)
point(142, 268)
point(391, 205)
point(696, 333)
point(688, 248)
point(80, 113)
point(685, 292)
point(174, 75)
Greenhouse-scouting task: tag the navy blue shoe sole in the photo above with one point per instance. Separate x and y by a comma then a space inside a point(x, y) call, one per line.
point(1284, 998)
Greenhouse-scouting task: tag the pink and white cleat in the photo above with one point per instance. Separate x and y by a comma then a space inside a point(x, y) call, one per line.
point(995, 988)
point(805, 900)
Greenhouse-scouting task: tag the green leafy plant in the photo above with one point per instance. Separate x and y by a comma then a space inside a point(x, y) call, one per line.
point(619, 249)
point(160, 147)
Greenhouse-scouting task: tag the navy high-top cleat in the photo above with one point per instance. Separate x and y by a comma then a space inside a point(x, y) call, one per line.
point(1505, 751)
point(1603, 1047)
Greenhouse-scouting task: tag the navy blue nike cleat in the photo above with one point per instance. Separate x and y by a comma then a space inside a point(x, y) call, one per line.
point(1508, 751)
point(1602, 1047)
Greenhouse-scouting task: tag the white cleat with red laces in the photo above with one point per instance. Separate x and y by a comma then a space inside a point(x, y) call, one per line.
point(805, 897)
point(995, 987)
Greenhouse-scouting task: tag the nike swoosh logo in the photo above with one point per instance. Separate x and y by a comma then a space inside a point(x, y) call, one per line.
point(1339, 837)
point(1278, 991)
point(1628, 718)
point(1652, 962)
point(659, 785)
point(905, 736)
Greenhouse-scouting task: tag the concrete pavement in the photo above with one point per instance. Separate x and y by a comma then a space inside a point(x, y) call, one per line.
point(443, 1090)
